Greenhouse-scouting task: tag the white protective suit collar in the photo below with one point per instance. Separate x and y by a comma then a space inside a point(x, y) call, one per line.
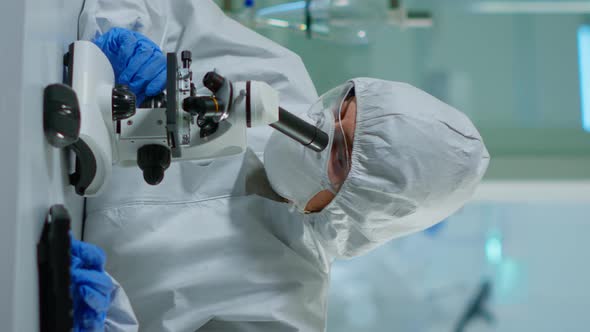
point(415, 161)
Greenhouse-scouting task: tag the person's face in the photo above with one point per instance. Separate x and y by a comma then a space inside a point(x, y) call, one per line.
point(337, 165)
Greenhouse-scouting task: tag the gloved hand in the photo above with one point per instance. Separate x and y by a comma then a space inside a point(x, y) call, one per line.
point(137, 61)
point(91, 287)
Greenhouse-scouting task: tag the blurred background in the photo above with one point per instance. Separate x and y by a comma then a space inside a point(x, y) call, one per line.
point(514, 259)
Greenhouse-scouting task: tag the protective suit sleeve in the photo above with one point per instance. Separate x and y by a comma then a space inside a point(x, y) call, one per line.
point(120, 317)
point(216, 42)
point(99, 301)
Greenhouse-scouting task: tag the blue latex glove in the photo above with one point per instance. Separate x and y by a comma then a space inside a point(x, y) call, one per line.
point(91, 287)
point(137, 61)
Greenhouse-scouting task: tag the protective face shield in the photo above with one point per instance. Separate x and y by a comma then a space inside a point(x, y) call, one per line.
point(298, 173)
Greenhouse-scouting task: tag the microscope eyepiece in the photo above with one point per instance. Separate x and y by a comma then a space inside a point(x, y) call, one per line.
point(213, 81)
point(301, 131)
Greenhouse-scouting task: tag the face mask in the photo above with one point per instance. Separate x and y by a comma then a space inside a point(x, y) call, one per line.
point(298, 173)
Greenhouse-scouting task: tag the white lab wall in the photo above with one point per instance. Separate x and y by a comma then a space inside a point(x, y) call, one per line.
point(515, 76)
point(9, 68)
point(423, 282)
point(523, 69)
point(35, 34)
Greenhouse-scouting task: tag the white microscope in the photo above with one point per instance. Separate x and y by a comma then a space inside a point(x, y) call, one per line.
point(178, 125)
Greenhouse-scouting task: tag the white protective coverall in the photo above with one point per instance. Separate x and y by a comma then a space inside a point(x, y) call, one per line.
point(212, 248)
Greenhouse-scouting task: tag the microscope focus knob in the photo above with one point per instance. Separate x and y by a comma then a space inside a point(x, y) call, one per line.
point(61, 115)
point(153, 160)
point(123, 102)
